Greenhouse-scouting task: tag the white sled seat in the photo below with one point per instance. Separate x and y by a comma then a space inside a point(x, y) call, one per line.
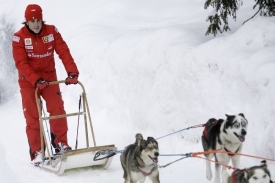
point(78, 159)
point(85, 157)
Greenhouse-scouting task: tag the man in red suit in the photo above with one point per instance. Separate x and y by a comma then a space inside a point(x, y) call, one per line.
point(33, 52)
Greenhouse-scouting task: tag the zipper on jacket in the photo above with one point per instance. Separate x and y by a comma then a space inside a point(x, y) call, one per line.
point(37, 47)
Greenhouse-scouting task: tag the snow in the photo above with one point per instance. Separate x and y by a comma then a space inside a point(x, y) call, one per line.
point(148, 67)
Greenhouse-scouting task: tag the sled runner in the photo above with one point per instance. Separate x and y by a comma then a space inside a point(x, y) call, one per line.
point(78, 158)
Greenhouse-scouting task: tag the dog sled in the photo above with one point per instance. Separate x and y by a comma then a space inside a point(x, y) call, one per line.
point(77, 158)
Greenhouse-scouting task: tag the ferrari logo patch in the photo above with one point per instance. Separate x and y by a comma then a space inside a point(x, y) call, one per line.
point(48, 38)
point(45, 39)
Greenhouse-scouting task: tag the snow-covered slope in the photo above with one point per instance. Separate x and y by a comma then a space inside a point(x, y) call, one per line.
point(148, 67)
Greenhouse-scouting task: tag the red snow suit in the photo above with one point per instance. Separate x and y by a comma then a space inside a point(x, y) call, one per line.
point(34, 58)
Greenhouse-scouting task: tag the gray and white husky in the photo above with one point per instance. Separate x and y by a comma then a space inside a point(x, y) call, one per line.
point(140, 160)
point(255, 174)
point(227, 136)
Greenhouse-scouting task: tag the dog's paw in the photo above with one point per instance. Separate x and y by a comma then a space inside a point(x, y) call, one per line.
point(209, 174)
point(217, 180)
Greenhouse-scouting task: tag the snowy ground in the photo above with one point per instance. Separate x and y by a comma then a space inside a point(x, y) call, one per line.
point(148, 67)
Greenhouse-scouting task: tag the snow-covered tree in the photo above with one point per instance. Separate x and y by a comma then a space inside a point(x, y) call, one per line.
point(223, 8)
point(7, 68)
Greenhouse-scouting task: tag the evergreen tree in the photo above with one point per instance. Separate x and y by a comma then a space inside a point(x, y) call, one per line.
point(266, 7)
point(224, 8)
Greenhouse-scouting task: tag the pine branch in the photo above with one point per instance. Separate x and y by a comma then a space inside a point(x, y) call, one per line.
point(252, 16)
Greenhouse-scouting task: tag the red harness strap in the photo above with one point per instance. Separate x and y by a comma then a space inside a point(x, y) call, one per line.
point(206, 128)
point(229, 152)
point(145, 173)
point(205, 132)
point(233, 175)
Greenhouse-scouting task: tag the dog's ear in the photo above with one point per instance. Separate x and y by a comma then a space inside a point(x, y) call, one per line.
point(263, 164)
point(138, 142)
point(228, 116)
point(241, 114)
point(139, 138)
point(150, 139)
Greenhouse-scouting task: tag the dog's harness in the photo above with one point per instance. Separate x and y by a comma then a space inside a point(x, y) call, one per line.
point(234, 173)
point(142, 171)
point(145, 173)
point(229, 152)
point(208, 126)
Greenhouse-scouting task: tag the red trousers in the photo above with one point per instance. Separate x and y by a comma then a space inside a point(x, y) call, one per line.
point(55, 106)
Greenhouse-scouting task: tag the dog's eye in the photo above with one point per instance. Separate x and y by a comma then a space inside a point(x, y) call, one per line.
point(243, 123)
point(255, 178)
point(236, 125)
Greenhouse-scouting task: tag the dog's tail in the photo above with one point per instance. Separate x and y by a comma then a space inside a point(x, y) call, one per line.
point(225, 176)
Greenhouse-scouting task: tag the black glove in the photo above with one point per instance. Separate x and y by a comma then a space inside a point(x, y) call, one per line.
point(71, 79)
point(41, 84)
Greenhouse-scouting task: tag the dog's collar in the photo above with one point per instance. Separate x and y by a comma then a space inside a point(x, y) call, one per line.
point(145, 173)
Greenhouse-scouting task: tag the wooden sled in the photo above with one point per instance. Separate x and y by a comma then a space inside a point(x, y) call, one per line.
point(83, 157)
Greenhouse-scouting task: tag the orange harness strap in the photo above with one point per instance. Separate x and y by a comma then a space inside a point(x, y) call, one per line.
point(227, 166)
point(240, 154)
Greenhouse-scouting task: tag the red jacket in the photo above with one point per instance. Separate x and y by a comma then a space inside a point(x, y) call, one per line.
point(34, 54)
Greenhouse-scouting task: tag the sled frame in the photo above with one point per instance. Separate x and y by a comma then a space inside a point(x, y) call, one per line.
point(61, 162)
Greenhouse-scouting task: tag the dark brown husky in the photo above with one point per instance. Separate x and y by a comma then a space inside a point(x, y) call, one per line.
point(139, 160)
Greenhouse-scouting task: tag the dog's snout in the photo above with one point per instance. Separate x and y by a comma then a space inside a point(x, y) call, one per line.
point(243, 132)
point(156, 153)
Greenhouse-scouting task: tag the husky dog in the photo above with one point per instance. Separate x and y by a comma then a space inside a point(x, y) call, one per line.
point(227, 136)
point(140, 160)
point(255, 174)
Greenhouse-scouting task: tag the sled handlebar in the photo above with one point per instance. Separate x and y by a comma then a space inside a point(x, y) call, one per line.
point(61, 81)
